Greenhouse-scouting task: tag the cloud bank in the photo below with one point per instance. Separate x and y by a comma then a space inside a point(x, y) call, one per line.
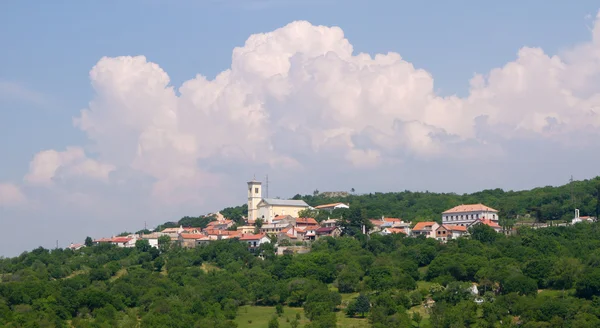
point(298, 103)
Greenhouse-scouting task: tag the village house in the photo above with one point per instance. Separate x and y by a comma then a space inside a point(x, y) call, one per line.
point(285, 219)
point(310, 232)
point(289, 234)
point(220, 224)
point(303, 222)
point(216, 234)
point(189, 240)
point(388, 231)
point(246, 229)
point(122, 241)
point(329, 223)
point(254, 241)
point(75, 247)
point(274, 227)
point(465, 215)
point(426, 229)
point(494, 225)
point(446, 232)
point(152, 238)
point(328, 232)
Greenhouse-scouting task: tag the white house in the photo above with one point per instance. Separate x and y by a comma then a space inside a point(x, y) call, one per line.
point(578, 219)
point(254, 241)
point(465, 215)
point(427, 229)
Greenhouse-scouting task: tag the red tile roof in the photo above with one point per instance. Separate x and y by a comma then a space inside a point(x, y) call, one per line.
point(306, 221)
point(192, 235)
point(396, 230)
point(377, 222)
point(423, 225)
point(455, 227)
point(392, 220)
point(488, 222)
point(470, 208)
point(120, 239)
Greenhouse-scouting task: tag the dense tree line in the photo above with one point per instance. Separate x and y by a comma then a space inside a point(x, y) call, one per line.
point(390, 276)
point(542, 204)
point(539, 204)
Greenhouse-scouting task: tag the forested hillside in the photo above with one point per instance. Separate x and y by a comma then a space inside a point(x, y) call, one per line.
point(539, 278)
point(541, 204)
point(546, 203)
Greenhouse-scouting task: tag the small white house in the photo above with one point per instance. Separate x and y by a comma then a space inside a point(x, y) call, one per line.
point(254, 241)
point(579, 219)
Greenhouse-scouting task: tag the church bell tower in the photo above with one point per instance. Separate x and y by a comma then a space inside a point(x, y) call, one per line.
point(254, 197)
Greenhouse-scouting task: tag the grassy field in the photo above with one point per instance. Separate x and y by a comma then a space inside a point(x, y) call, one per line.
point(259, 316)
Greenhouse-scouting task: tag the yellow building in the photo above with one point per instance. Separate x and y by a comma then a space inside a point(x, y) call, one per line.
point(267, 208)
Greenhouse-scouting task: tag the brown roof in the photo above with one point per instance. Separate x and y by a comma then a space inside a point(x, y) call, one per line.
point(392, 220)
point(488, 222)
point(329, 205)
point(470, 208)
point(377, 222)
point(396, 230)
point(423, 225)
point(307, 221)
point(455, 227)
point(311, 227)
point(325, 230)
point(191, 235)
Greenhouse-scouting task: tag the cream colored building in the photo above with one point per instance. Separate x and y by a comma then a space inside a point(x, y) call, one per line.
point(267, 208)
point(254, 197)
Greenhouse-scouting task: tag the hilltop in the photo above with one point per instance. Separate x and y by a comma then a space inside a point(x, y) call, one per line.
point(541, 204)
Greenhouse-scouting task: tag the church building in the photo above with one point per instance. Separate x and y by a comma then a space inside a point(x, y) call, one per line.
point(268, 208)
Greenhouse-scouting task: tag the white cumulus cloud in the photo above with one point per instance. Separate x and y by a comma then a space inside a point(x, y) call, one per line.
point(11, 195)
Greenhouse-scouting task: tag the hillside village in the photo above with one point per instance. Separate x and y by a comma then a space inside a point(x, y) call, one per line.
point(283, 222)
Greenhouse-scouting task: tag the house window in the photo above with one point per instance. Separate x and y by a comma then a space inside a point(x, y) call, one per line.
point(256, 190)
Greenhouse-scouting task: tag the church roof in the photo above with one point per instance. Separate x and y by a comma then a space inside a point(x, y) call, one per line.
point(285, 202)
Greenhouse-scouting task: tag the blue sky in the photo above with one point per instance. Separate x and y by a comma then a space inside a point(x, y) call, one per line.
point(50, 48)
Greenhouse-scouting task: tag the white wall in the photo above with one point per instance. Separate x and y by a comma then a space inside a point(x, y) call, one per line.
point(466, 218)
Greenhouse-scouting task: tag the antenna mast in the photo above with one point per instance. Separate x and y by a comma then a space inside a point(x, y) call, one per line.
point(267, 186)
point(572, 195)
